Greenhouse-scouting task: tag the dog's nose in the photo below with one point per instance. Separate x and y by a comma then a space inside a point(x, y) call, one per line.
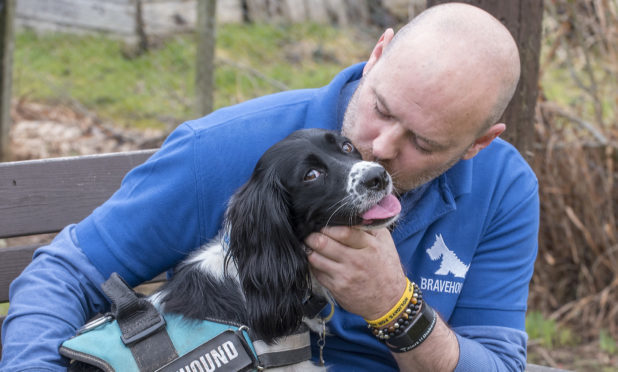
point(375, 178)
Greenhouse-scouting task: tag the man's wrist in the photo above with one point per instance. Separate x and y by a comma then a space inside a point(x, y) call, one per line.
point(396, 310)
point(397, 291)
point(417, 332)
point(407, 324)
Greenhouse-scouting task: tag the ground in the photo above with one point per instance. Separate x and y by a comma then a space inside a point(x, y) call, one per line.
point(44, 131)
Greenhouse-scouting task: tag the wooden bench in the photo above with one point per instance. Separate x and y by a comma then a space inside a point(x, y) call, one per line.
point(43, 196)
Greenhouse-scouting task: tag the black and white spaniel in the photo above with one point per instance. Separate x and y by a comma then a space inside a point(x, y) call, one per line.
point(256, 271)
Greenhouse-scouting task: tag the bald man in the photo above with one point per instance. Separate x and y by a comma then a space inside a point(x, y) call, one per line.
point(426, 105)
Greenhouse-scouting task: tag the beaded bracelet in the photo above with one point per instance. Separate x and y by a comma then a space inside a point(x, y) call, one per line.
point(394, 327)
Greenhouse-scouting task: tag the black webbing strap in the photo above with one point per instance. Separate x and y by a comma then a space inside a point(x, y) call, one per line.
point(287, 350)
point(142, 326)
point(285, 357)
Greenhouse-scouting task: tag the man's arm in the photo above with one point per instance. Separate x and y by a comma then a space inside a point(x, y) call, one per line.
point(53, 297)
point(356, 277)
point(439, 352)
point(352, 264)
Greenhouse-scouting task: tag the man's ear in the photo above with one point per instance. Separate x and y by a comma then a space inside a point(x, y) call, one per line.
point(378, 49)
point(484, 140)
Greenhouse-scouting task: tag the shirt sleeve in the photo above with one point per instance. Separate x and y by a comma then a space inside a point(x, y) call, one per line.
point(487, 348)
point(50, 299)
point(153, 220)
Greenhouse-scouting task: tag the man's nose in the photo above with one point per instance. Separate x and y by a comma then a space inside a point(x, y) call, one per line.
point(387, 144)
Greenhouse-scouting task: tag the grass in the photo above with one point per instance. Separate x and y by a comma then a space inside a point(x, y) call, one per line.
point(563, 347)
point(607, 343)
point(547, 332)
point(157, 87)
point(4, 308)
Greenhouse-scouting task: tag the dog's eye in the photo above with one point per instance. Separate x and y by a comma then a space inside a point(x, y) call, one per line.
point(347, 147)
point(312, 175)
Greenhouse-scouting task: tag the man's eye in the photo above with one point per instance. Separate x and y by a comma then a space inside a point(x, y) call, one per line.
point(347, 147)
point(381, 113)
point(423, 150)
point(312, 175)
point(416, 145)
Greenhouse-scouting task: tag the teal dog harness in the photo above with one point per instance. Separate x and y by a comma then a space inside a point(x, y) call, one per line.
point(136, 337)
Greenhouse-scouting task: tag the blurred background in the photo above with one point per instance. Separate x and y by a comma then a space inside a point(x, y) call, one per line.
point(103, 76)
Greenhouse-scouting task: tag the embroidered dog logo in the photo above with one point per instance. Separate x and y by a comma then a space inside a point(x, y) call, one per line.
point(450, 262)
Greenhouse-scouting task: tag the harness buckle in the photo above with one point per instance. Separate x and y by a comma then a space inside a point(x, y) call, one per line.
point(127, 340)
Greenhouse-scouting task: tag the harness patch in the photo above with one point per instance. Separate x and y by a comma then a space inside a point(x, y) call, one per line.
point(225, 352)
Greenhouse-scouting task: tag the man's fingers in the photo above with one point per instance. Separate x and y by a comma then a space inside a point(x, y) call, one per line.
point(348, 236)
point(323, 245)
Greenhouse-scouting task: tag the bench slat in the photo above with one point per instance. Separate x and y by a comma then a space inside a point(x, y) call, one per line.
point(42, 196)
point(14, 260)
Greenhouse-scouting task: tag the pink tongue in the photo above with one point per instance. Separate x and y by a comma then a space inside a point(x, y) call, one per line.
point(386, 208)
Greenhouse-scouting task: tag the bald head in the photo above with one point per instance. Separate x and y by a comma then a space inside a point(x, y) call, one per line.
point(466, 46)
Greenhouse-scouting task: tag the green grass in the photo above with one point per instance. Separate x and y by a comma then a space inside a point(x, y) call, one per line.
point(547, 332)
point(4, 308)
point(158, 86)
point(607, 343)
point(559, 82)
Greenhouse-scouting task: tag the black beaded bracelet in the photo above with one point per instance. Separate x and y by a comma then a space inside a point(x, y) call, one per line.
point(403, 321)
point(417, 332)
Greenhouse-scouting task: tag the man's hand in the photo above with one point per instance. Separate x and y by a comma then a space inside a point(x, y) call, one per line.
point(361, 268)
point(363, 272)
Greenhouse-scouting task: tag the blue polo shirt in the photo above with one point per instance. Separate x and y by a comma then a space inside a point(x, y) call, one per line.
point(467, 238)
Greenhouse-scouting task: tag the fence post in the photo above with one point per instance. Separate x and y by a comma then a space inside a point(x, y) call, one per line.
point(523, 18)
point(205, 56)
point(7, 15)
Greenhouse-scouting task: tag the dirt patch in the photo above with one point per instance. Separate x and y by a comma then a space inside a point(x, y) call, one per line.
point(44, 131)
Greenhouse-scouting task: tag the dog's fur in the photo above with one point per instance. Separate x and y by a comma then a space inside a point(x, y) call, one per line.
point(256, 271)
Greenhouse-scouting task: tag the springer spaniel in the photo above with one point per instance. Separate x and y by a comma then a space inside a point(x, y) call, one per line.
point(256, 271)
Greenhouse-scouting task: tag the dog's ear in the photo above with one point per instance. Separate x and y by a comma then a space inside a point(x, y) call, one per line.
point(271, 261)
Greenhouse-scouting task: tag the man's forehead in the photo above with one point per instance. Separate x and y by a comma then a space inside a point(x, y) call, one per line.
point(431, 104)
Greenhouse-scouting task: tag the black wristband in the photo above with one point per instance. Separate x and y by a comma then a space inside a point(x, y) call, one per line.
point(416, 333)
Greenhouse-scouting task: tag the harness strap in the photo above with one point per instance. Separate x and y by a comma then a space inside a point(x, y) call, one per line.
point(142, 326)
point(288, 350)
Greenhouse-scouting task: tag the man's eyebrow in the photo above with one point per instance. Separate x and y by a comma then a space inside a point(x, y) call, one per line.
point(382, 101)
point(435, 146)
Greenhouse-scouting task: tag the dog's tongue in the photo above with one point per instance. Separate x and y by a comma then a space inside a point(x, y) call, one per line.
point(386, 208)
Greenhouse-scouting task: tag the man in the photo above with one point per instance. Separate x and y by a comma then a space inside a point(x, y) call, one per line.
point(424, 105)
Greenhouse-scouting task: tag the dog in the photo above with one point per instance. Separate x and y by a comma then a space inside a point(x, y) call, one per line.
point(256, 272)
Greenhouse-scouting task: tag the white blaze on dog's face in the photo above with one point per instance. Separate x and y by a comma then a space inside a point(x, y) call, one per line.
point(370, 187)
